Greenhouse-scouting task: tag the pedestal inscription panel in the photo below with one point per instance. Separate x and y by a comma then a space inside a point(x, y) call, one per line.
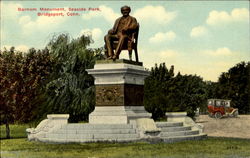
point(119, 95)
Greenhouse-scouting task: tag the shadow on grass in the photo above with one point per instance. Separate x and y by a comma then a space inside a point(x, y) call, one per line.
point(21, 137)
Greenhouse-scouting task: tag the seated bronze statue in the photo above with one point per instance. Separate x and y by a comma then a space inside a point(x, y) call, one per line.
point(123, 36)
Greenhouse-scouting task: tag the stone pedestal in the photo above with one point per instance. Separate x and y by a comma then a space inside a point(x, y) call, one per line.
point(119, 92)
point(182, 117)
point(176, 116)
point(119, 114)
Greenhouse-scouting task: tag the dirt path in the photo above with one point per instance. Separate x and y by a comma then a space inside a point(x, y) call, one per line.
point(226, 127)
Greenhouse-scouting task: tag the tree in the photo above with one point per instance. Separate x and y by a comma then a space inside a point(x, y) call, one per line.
point(9, 63)
point(21, 75)
point(70, 89)
point(156, 86)
point(188, 92)
point(53, 80)
point(166, 92)
point(235, 85)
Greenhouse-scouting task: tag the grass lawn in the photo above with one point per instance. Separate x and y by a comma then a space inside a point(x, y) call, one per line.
point(16, 131)
point(211, 147)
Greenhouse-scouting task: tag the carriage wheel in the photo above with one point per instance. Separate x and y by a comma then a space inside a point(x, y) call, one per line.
point(236, 113)
point(218, 115)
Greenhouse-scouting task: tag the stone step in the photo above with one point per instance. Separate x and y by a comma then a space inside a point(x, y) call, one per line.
point(120, 140)
point(116, 136)
point(108, 131)
point(179, 133)
point(74, 126)
point(166, 139)
point(184, 138)
point(95, 131)
point(54, 140)
point(91, 136)
point(168, 124)
point(173, 129)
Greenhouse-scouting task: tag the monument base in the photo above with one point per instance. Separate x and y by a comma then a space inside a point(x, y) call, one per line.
point(55, 129)
point(117, 114)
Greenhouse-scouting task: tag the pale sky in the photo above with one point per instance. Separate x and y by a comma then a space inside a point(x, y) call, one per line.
point(204, 38)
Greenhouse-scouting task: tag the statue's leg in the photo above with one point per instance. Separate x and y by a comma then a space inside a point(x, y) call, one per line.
point(107, 40)
point(106, 51)
point(130, 54)
point(118, 50)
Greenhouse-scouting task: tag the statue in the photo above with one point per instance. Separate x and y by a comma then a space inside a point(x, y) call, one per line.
point(122, 32)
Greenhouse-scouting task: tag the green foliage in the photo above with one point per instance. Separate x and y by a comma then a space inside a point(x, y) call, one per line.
point(70, 89)
point(235, 85)
point(164, 92)
point(187, 94)
point(156, 88)
point(21, 75)
point(9, 78)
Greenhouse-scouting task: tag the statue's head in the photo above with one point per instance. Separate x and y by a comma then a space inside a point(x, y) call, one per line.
point(125, 10)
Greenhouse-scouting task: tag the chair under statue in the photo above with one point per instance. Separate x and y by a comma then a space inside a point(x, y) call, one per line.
point(130, 44)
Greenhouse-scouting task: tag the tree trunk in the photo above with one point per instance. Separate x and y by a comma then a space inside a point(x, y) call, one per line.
point(7, 130)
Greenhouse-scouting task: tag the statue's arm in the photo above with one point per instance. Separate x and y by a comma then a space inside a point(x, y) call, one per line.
point(112, 31)
point(133, 25)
